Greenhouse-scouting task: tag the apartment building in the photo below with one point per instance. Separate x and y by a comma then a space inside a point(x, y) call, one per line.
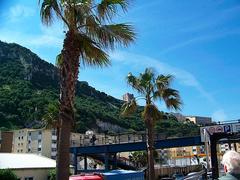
point(37, 141)
point(6, 140)
point(40, 141)
point(189, 151)
point(44, 141)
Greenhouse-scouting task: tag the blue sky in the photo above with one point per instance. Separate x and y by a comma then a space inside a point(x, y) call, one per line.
point(196, 41)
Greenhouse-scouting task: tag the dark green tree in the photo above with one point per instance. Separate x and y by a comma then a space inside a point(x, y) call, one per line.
point(139, 158)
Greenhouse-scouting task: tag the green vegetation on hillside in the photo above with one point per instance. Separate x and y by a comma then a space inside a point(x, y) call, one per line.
point(28, 84)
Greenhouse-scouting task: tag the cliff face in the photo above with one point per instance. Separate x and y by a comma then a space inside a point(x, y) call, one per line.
point(30, 66)
point(39, 72)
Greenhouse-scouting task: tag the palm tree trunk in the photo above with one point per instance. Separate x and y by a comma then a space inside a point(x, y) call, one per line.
point(57, 133)
point(150, 149)
point(68, 78)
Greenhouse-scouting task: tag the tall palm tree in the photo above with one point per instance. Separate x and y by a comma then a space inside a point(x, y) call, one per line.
point(150, 89)
point(90, 32)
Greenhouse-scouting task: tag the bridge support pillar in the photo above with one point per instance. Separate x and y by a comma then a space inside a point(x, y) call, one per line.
point(214, 160)
point(75, 162)
point(115, 161)
point(85, 162)
point(106, 161)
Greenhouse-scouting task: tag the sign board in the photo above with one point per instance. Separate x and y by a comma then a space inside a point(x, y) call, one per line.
point(236, 127)
point(221, 128)
point(228, 128)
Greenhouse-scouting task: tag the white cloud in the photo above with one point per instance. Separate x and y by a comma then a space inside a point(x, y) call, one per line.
point(46, 40)
point(182, 76)
point(199, 39)
point(41, 40)
point(219, 115)
point(19, 11)
point(47, 37)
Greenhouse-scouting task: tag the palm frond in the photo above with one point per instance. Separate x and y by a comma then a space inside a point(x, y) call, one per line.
point(59, 60)
point(147, 80)
point(134, 83)
point(115, 34)
point(164, 81)
point(129, 108)
point(51, 116)
point(49, 8)
point(151, 113)
point(107, 9)
point(169, 92)
point(91, 53)
point(79, 12)
point(173, 103)
point(172, 99)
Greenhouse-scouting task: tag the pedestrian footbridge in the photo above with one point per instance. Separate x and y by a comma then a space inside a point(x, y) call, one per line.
point(107, 153)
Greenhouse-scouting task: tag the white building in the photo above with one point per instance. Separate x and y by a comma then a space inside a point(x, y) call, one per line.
point(27, 166)
point(199, 120)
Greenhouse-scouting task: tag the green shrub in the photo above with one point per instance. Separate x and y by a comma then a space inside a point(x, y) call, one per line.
point(52, 174)
point(7, 174)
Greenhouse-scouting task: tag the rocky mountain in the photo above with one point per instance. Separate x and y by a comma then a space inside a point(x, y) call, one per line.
point(28, 84)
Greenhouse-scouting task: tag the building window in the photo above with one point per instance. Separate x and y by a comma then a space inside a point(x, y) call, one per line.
point(19, 138)
point(22, 137)
point(39, 149)
point(40, 132)
point(28, 178)
point(53, 157)
point(54, 132)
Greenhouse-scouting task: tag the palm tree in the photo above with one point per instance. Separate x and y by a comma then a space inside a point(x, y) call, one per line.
point(90, 32)
point(150, 89)
point(51, 117)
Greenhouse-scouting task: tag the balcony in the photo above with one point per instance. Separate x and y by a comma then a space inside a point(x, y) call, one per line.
point(54, 137)
point(53, 153)
point(54, 145)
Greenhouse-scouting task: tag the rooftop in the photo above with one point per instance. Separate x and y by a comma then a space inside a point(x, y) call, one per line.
point(25, 161)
